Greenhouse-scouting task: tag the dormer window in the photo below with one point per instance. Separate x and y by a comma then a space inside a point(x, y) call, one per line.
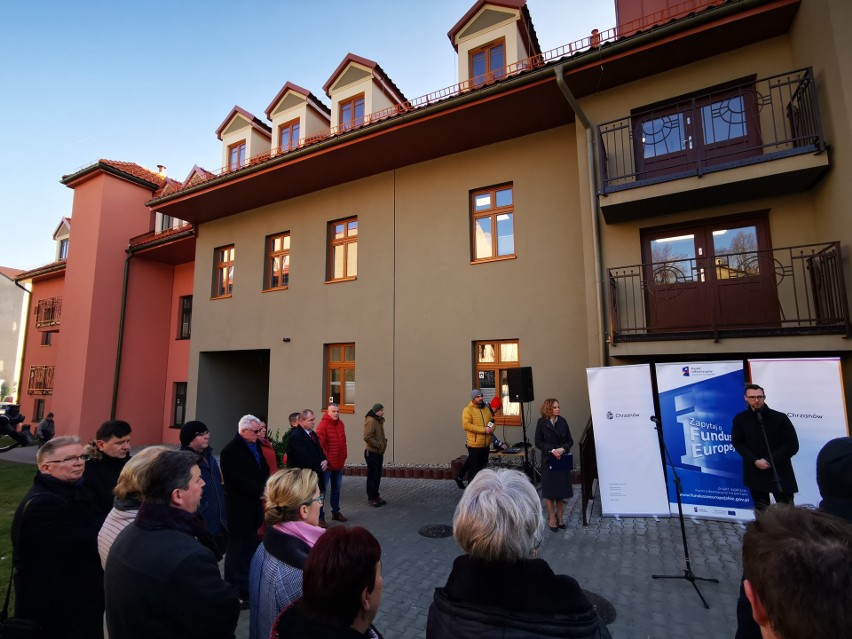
point(237, 155)
point(63, 249)
point(352, 112)
point(288, 135)
point(488, 63)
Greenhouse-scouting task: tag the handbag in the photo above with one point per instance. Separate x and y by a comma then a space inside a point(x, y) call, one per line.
point(18, 627)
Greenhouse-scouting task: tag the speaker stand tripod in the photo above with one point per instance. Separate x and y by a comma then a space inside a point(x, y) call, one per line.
point(688, 575)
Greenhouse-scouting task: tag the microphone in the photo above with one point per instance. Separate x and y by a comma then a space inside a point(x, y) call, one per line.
point(655, 419)
point(496, 404)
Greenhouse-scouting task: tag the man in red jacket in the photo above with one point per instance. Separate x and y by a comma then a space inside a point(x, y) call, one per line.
point(332, 436)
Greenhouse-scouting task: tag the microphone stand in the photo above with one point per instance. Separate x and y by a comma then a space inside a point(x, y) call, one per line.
point(688, 575)
point(775, 476)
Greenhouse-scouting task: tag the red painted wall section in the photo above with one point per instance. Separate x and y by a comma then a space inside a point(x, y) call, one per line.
point(37, 355)
point(107, 211)
point(178, 364)
point(145, 349)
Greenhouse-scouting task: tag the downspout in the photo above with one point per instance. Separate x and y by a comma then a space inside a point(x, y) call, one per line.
point(117, 374)
point(26, 326)
point(596, 239)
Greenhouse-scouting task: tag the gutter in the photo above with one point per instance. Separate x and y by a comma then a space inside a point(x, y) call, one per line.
point(596, 212)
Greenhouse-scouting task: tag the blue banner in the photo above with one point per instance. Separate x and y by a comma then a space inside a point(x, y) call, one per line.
point(698, 402)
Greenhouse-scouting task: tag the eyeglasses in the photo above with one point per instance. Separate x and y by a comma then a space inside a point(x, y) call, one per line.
point(318, 500)
point(72, 459)
point(755, 396)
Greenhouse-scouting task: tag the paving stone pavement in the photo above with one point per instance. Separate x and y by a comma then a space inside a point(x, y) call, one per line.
point(614, 558)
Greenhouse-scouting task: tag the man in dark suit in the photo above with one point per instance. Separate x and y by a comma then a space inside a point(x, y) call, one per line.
point(245, 472)
point(751, 431)
point(304, 449)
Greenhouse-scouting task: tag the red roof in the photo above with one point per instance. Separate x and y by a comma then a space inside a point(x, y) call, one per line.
point(131, 170)
point(529, 35)
point(256, 123)
point(373, 66)
point(10, 272)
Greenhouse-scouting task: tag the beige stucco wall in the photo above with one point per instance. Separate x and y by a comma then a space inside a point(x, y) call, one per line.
point(418, 303)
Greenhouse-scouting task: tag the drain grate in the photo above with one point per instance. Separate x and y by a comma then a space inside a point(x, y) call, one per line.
point(436, 531)
point(605, 609)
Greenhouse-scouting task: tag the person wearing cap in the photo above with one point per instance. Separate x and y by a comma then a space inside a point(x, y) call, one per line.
point(45, 430)
point(375, 444)
point(477, 424)
point(195, 437)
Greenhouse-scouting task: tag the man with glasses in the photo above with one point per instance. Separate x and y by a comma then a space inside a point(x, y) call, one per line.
point(305, 451)
point(767, 441)
point(195, 437)
point(58, 575)
point(245, 472)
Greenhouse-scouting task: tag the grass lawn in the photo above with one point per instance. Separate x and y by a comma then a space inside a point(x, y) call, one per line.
point(15, 479)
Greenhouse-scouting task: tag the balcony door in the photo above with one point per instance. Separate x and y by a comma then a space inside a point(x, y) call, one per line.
point(708, 276)
point(711, 129)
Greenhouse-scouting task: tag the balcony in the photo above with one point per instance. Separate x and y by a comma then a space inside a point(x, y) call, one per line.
point(714, 148)
point(48, 312)
point(797, 290)
point(41, 380)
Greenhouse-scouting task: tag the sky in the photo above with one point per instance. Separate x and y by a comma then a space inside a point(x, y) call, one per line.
point(151, 82)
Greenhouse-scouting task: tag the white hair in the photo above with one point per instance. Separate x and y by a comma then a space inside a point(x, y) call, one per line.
point(499, 516)
point(246, 421)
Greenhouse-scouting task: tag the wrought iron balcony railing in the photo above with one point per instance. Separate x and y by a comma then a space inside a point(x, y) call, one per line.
point(796, 290)
point(48, 312)
point(41, 380)
point(743, 122)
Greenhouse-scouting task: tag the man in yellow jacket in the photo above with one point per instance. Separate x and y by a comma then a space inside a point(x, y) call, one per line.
point(477, 424)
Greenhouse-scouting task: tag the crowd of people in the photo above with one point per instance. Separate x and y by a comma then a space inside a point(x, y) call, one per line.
point(141, 538)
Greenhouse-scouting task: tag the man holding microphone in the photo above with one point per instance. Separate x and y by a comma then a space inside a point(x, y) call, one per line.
point(476, 421)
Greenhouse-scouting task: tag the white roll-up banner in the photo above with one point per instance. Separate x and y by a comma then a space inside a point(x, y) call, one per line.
point(698, 401)
point(810, 392)
point(630, 472)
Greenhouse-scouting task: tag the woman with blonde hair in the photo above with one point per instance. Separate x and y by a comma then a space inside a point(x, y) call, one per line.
point(291, 515)
point(553, 439)
point(499, 588)
point(128, 497)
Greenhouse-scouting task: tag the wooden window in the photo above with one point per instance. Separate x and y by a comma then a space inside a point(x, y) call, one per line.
point(491, 361)
point(352, 112)
point(340, 376)
point(492, 223)
point(38, 411)
point(63, 249)
point(488, 62)
point(236, 155)
point(288, 135)
point(166, 223)
point(47, 338)
point(277, 271)
point(343, 250)
point(179, 412)
point(223, 273)
point(185, 317)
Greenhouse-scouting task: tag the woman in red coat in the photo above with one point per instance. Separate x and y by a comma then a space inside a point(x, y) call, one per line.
point(332, 437)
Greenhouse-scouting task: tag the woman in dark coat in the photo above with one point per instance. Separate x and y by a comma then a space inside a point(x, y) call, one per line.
point(553, 439)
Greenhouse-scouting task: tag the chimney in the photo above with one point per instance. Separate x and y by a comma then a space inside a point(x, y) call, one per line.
point(161, 169)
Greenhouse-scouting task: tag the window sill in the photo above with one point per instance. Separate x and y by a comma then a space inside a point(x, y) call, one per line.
point(221, 297)
point(278, 288)
point(182, 339)
point(502, 258)
point(342, 279)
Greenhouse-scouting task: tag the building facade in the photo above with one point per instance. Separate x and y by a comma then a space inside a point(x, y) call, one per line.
point(668, 190)
point(107, 331)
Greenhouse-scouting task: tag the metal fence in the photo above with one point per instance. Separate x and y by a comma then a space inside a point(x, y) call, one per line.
point(798, 290)
point(743, 122)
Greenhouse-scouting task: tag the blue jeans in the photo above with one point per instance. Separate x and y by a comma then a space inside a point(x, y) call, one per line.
point(336, 477)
